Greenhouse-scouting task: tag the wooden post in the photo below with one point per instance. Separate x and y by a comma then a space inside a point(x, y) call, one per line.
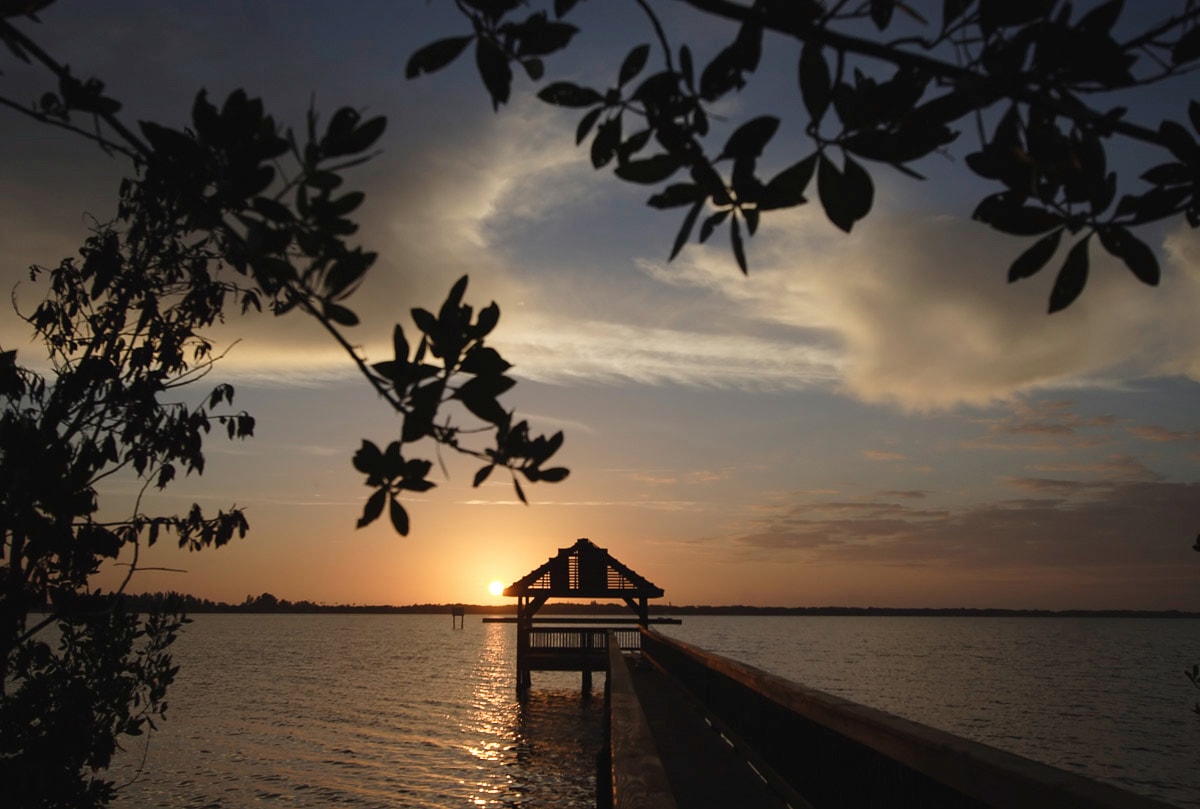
point(523, 625)
point(458, 616)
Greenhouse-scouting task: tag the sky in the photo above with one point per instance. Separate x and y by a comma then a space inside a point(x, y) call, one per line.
point(874, 419)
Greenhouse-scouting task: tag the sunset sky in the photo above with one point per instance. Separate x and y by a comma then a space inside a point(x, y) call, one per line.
point(874, 419)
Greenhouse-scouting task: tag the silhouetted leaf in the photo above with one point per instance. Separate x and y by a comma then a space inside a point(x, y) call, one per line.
point(710, 224)
point(494, 70)
point(520, 491)
point(554, 474)
point(482, 474)
point(846, 196)
point(685, 230)
point(1007, 214)
point(567, 94)
point(1072, 278)
point(608, 137)
point(561, 7)
point(1138, 257)
point(586, 123)
point(539, 36)
point(1187, 48)
point(676, 195)
point(1179, 141)
point(399, 344)
point(735, 239)
point(786, 188)
point(633, 64)
point(399, 517)
point(649, 171)
point(750, 138)
point(489, 316)
point(534, 69)
point(340, 314)
point(373, 508)
point(1033, 259)
point(881, 12)
point(815, 82)
point(482, 360)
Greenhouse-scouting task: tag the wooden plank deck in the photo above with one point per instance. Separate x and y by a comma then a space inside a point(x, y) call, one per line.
point(807, 748)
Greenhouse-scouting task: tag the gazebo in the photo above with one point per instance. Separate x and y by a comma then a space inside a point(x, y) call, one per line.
point(582, 571)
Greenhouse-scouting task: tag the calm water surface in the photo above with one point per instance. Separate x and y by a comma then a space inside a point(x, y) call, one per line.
point(404, 711)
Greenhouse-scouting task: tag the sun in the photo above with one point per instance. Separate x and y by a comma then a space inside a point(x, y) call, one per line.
point(496, 588)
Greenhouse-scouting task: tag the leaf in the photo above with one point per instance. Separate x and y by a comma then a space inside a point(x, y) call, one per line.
point(633, 64)
point(554, 474)
point(1138, 257)
point(815, 81)
point(881, 12)
point(368, 459)
point(520, 491)
point(685, 230)
point(534, 69)
point(484, 361)
point(846, 196)
point(1072, 278)
point(340, 314)
point(373, 508)
point(676, 195)
point(399, 518)
point(735, 239)
point(710, 224)
point(1187, 48)
point(608, 137)
point(1177, 139)
point(1007, 214)
point(482, 474)
point(586, 123)
point(649, 171)
point(494, 70)
point(489, 316)
point(399, 344)
point(786, 188)
point(750, 138)
point(567, 94)
point(539, 37)
point(1033, 259)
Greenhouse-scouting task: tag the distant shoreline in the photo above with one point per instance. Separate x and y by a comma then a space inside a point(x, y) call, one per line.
point(269, 604)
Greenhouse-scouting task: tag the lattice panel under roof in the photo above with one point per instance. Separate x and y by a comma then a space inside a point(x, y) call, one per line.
point(584, 570)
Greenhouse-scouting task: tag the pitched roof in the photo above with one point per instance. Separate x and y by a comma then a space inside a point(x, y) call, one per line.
point(583, 571)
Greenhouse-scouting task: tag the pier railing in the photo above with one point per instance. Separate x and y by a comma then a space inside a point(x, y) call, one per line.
point(582, 638)
point(837, 753)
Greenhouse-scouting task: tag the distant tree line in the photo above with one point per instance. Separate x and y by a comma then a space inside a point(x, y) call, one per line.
point(269, 603)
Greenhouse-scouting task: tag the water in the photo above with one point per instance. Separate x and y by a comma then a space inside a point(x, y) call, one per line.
point(404, 711)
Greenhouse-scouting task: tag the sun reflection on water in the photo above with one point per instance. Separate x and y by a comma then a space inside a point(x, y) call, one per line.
point(545, 744)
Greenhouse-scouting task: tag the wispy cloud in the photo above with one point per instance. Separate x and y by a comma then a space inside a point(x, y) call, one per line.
point(882, 455)
point(1085, 526)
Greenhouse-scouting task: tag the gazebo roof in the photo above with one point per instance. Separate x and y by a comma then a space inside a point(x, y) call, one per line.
point(583, 571)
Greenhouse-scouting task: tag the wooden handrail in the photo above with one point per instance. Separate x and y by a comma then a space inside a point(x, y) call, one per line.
point(838, 753)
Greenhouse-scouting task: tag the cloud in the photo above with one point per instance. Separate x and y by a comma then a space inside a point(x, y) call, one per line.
point(1117, 467)
point(881, 455)
point(919, 309)
point(1161, 435)
point(1042, 425)
point(1107, 525)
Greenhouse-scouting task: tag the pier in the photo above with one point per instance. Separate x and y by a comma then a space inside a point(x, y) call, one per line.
point(582, 571)
point(690, 729)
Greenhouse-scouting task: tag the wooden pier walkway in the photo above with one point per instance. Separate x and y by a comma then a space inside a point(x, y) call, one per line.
point(689, 729)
